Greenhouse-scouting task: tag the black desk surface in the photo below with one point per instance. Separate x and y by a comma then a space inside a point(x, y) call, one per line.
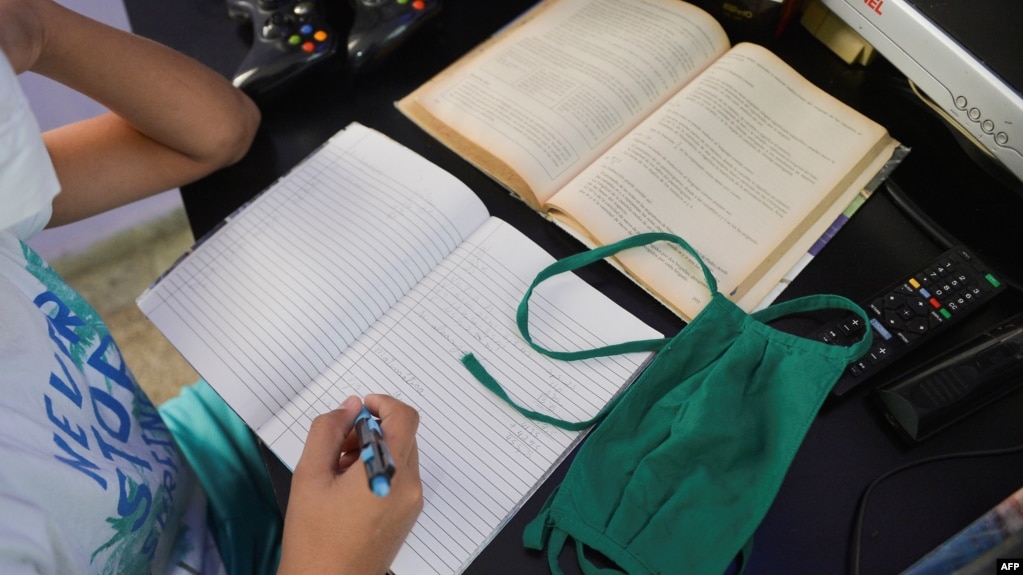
point(809, 527)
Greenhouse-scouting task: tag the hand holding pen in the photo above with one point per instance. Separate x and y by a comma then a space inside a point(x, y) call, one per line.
point(333, 522)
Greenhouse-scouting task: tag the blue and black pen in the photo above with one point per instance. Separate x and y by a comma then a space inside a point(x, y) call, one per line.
point(374, 453)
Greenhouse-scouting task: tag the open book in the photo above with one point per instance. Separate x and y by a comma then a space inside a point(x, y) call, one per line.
point(348, 276)
point(615, 117)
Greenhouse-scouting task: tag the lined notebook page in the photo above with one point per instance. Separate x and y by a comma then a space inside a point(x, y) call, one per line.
point(268, 301)
point(479, 459)
point(287, 310)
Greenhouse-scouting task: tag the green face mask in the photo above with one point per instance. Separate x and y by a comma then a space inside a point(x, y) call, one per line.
point(686, 462)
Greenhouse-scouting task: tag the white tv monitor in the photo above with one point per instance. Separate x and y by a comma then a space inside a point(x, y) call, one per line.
point(966, 56)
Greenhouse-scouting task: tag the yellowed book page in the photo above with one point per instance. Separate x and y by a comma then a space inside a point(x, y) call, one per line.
point(760, 293)
point(739, 164)
point(557, 91)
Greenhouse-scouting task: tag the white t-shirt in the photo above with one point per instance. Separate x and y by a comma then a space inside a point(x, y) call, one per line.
point(90, 478)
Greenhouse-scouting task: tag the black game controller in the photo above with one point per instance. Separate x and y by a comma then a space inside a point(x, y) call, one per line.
point(288, 38)
point(381, 25)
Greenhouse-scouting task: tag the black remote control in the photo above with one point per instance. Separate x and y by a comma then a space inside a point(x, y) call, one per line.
point(912, 311)
point(957, 383)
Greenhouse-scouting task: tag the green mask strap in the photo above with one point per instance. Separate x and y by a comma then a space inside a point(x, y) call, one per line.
point(586, 258)
point(587, 566)
point(571, 263)
point(557, 542)
point(745, 554)
point(816, 303)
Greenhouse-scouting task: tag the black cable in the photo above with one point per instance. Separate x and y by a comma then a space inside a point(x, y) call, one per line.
point(932, 229)
point(911, 210)
point(862, 506)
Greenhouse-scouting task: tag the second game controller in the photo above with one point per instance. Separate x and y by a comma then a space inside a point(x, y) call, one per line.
point(382, 25)
point(289, 37)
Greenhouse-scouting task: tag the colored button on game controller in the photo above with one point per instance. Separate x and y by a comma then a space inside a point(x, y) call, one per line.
point(291, 36)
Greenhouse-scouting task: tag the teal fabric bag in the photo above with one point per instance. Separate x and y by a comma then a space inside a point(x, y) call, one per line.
point(242, 508)
point(686, 462)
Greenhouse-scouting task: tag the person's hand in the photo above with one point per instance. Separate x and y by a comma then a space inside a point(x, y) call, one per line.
point(334, 523)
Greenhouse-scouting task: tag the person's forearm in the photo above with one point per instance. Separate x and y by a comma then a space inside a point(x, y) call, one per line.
point(172, 119)
point(168, 97)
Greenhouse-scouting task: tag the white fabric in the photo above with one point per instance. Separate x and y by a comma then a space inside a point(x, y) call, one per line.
point(90, 479)
point(28, 182)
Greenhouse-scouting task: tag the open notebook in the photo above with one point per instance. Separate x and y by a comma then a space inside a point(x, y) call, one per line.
point(369, 269)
